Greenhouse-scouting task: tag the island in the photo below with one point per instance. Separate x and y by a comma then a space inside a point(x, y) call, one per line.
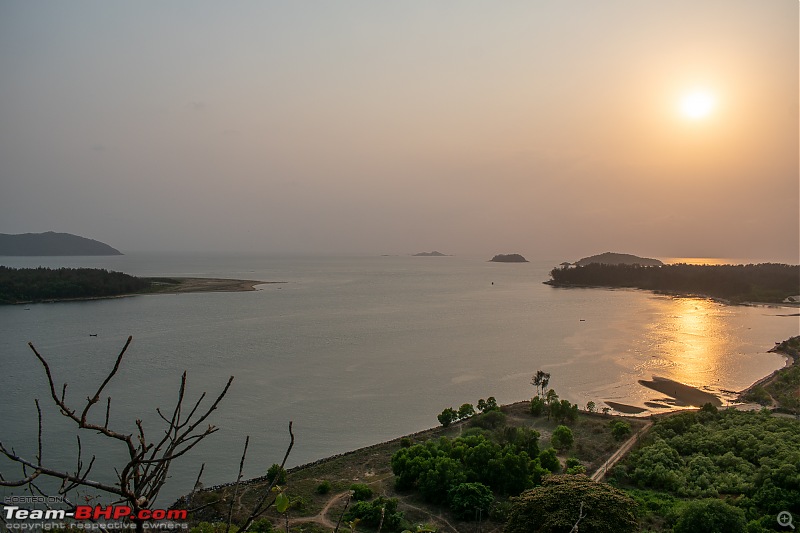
point(51, 243)
point(32, 285)
point(614, 258)
point(766, 282)
point(508, 258)
point(431, 254)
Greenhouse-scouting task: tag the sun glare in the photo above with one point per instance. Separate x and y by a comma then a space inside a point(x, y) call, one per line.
point(697, 104)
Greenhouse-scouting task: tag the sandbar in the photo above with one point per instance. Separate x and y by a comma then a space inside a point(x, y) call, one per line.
point(625, 408)
point(206, 285)
point(684, 395)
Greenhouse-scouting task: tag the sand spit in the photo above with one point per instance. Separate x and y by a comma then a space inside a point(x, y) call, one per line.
point(681, 395)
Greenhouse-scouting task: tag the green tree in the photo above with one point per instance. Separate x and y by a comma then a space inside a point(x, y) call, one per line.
point(448, 416)
point(551, 399)
point(361, 492)
point(465, 411)
point(277, 474)
point(710, 516)
point(563, 503)
point(467, 500)
point(549, 460)
point(562, 438)
point(540, 381)
point(619, 429)
point(537, 406)
point(591, 406)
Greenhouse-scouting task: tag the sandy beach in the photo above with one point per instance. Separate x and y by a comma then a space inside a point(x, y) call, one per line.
point(208, 285)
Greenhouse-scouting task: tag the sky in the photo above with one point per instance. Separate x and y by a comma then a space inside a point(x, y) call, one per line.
point(556, 129)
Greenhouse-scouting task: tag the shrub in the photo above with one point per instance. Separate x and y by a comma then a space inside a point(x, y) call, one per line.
point(537, 406)
point(468, 499)
point(710, 516)
point(406, 442)
point(370, 513)
point(361, 492)
point(275, 471)
point(489, 420)
point(324, 487)
point(562, 438)
point(447, 417)
point(619, 429)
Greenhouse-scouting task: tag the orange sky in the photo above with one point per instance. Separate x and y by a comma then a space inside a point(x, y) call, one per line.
point(549, 128)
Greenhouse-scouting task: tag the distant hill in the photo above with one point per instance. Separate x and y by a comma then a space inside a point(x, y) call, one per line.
point(612, 258)
point(430, 254)
point(51, 243)
point(508, 258)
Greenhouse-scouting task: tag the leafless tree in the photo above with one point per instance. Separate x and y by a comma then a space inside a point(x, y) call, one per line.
point(144, 473)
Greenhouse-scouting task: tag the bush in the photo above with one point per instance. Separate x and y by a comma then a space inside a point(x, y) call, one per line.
point(324, 487)
point(275, 471)
point(467, 500)
point(489, 420)
point(537, 406)
point(562, 438)
point(620, 430)
point(710, 516)
point(361, 492)
point(406, 442)
point(549, 460)
point(370, 513)
point(447, 417)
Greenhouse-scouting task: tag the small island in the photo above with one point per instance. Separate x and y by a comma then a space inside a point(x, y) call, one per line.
point(431, 254)
point(508, 258)
point(613, 258)
point(51, 243)
point(32, 285)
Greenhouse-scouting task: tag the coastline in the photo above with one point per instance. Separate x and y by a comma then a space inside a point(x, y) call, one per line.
point(182, 286)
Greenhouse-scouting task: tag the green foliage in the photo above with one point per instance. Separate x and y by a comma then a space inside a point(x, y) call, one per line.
point(591, 406)
point(465, 411)
point(766, 282)
point(276, 471)
point(213, 527)
point(262, 525)
point(435, 467)
point(753, 457)
point(38, 284)
point(549, 460)
point(557, 505)
point(448, 416)
point(361, 491)
point(406, 442)
point(370, 513)
point(562, 438)
point(574, 466)
point(467, 499)
point(537, 406)
point(710, 516)
point(489, 420)
point(488, 404)
point(324, 487)
point(759, 395)
point(620, 430)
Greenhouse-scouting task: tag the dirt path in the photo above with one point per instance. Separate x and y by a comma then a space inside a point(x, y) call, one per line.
point(321, 518)
point(600, 473)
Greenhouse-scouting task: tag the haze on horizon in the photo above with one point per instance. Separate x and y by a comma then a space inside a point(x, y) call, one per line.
point(552, 129)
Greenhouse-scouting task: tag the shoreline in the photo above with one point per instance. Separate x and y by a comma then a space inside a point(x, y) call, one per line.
point(788, 305)
point(183, 286)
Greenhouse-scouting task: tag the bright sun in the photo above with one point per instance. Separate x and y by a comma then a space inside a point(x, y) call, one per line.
point(697, 104)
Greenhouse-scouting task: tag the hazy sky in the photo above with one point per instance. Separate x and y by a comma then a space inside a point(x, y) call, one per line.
point(554, 128)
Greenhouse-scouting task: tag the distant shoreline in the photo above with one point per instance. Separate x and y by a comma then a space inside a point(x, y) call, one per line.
point(181, 286)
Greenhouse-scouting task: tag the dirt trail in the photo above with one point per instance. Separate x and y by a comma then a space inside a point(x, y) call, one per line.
point(600, 473)
point(321, 518)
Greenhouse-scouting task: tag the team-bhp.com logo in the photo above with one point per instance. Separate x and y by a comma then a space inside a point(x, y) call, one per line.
point(94, 517)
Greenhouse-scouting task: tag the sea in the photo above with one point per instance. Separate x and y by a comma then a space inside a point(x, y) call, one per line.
point(352, 351)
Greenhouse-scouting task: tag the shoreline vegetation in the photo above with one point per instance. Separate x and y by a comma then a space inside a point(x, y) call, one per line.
point(39, 285)
point(320, 492)
point(733, 284)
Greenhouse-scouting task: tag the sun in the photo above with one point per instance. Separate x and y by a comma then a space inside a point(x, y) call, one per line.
point(697, 104)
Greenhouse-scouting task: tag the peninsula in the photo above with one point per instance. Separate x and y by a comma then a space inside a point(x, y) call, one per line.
point(31, 285)
point(51, 243)
point(613, 258)
point(767, 282)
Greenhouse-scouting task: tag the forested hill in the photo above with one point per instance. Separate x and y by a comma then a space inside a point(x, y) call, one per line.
point(51, 243)
point(768, 282)
point(19, 285)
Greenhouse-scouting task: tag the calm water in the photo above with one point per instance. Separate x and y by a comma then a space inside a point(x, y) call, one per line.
point(359, 350)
